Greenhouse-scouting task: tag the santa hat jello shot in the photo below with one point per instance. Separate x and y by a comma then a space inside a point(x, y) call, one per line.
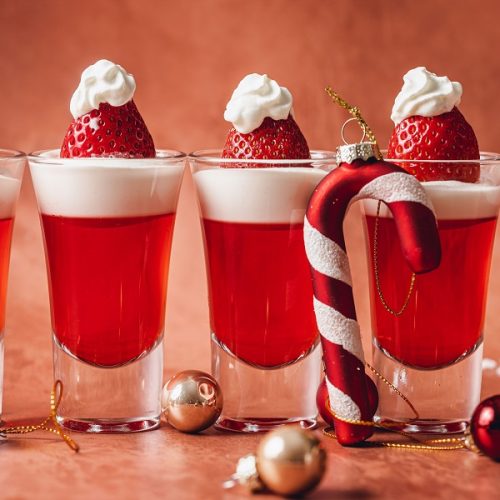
point(107, 202)
point(253, 196)
point(429, 126)
point(440, 332)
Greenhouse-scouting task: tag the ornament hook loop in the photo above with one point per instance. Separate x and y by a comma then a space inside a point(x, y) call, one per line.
point(342, 130)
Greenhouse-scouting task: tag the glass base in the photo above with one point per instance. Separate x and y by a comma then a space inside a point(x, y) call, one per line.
point(115, 400)
point(425, 426)
point(111, 426)
point(444, 399)
point(261, 424)
point(257, 400)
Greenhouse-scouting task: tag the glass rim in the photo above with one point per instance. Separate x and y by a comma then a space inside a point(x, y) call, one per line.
point(11, 154)
point(213, 156)
point(485, 158)
point(51, 157)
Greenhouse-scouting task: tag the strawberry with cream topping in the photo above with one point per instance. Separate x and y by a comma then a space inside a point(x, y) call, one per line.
point(263, 122)
point(106, 120)
point(429, 126)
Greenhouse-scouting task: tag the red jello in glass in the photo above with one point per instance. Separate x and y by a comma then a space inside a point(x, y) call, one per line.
point(108, 282)
point(444, 319)
point(260, 290)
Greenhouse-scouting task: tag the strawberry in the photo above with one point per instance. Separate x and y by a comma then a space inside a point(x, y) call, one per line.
point(272, 140)
point(444, 137)
point(110, 131)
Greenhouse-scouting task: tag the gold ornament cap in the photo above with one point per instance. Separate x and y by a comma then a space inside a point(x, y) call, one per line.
point(347, 153)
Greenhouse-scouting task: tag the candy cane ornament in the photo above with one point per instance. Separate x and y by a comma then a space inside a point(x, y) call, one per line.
point(360, 175)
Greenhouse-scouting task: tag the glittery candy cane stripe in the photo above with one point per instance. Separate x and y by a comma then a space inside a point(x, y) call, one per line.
point(336, 328)
point(396, 186)
point(326, 256)
point(342, 404)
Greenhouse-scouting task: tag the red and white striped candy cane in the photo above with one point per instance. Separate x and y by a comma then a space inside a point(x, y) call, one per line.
point(333, 298)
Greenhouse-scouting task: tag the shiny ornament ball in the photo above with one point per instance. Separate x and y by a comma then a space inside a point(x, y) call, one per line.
point(485, 427)
point(191, 401)
point(322, 400)
point(290, 461)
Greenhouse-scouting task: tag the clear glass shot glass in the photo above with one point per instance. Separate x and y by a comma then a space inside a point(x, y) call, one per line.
point(11, 173)
point(107, 225)
point(265, 343)
point(432, 351)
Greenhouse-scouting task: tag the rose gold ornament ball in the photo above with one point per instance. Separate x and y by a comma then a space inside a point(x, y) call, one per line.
point(191, 401)
point(291, 461)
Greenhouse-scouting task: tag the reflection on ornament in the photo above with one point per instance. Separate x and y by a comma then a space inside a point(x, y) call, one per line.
point(485, 427)
point(191, 401)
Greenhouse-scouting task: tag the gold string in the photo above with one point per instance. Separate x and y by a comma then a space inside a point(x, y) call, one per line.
point(440, 444)
point(387, 307)
point(355, 113)
point(394, 388)
point(49, 424)
point(431, 444)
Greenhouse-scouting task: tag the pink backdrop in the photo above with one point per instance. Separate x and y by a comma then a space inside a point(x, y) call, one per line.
point(187, 58)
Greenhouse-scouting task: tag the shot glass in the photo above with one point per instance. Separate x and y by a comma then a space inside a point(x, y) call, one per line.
point(11, 174)
point(107, 225)
point(265, 344)
point(432, 350)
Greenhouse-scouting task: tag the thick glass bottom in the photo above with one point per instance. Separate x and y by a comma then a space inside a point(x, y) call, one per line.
point(426, 426)
point(444, 398)
point(115, 400)
point(261, 424)
point(257, 399)
point(112, 426)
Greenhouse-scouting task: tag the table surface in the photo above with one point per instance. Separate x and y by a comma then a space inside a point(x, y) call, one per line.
point(168, 464)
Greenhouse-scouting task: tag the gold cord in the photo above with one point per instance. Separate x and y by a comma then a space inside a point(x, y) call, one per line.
point(387, 307)
point(55, 428)
point(355, 113)
point(443, 444)
point(394, 388)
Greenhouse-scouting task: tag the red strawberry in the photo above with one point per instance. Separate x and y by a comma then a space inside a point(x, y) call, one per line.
point(444, 137)
point(110, 131)
point(272, 140)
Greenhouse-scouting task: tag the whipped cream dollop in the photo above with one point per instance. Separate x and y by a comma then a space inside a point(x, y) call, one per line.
point(425, 94)
point(104, 81)
point(257, 97)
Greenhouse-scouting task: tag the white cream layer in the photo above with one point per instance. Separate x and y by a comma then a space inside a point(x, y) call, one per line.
point(106, 188)
point(9, 192)
point(258, 195)
point(454, 200)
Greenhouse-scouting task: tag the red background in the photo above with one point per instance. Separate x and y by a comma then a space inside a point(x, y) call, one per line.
point(187, 57)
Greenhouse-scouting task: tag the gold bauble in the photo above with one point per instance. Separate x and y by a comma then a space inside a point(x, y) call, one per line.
point(290, 460)
point(191, 401)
